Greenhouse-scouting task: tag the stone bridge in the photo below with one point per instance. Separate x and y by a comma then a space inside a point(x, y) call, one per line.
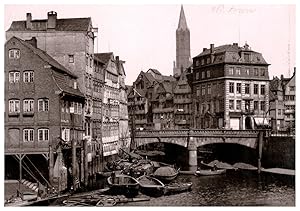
point(191, 139)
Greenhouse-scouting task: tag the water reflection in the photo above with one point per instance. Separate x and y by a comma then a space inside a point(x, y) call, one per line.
point(232, 189)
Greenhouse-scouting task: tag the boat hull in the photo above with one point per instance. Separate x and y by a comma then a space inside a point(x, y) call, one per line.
point(178, 188)
point(210, 172)
point(123, 184)
point(154, 188)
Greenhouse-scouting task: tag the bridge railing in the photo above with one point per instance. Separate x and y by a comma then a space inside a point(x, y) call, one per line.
point(196, 132)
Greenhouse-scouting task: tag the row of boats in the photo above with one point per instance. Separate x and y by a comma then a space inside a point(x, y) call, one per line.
point(148, 185)
point(156, 183)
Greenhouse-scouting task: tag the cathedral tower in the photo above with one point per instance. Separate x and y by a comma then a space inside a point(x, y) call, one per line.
point(183, 51)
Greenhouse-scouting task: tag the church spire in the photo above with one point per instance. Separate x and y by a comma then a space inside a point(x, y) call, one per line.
point(182, 22)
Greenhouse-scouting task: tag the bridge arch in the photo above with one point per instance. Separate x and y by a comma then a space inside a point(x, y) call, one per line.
point(250, 142)
point(169, 140)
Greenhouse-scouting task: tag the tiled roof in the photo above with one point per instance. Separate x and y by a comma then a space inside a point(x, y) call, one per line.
point(155, 71)
point(58, 72)
point(150, 77)
point(275, 84)
point(104, 57)
point(231, 54)
point(63, 84)
point(70, 24)
point(43, 55)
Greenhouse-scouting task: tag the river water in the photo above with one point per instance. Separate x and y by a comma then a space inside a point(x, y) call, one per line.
point(231, 189)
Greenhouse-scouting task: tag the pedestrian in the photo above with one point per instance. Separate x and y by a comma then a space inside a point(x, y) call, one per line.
point(215, 167)
point(113, 177)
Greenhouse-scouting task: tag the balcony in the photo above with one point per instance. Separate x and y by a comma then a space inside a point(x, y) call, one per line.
point(28, 114)
point(182, 101)
point(14, 114)
point(182, 111)
point(162, 110)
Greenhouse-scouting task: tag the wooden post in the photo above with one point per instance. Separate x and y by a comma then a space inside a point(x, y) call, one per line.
point(51, 163)
point(74, 163)
point(260, 147)
point(20, 170)
point(85, 163)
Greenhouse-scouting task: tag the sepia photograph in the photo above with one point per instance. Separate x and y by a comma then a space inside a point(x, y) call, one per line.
point(149, 104)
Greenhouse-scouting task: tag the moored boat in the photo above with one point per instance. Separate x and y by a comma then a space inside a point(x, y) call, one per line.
point(151, 186)
point(166, 174)
point(178, 188)
point(123, 184)
point(210, 172)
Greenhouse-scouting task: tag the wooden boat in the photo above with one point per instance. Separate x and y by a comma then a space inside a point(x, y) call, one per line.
point(166, 174)
point(203, 172)
point(151, 186)
point(123, 184)
point(178, 188)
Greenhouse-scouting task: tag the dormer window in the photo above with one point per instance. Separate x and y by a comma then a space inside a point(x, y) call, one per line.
point(247, 57)
point(71, 58)
point(14, 54)
point(75, 85)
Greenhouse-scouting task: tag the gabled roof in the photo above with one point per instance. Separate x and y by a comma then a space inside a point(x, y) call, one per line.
point(150, 77)
point(44, 56)
point(63, 84)
point(70, 24)
point(58, 71)
point(104, 57)
point(154, 71)
point(275, 84)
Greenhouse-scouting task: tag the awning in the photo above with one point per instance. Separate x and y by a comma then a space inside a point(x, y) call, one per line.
point(261, 121)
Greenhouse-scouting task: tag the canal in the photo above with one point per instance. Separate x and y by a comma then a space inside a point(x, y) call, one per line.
point(231, 189)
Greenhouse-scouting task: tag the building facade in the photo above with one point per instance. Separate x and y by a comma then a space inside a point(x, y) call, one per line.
point(71, 43)
point(36, 117)
point(124, 134)
point(182, 103)
point(110, 105)
point(230, 88)
point(289, 87)
point(276, 105)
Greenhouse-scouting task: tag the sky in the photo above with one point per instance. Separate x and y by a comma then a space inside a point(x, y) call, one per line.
point(143, 35)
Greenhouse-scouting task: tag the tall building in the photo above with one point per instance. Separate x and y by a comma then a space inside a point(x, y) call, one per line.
point(70, 42)
point(182, 103)
point(289, 87)
point(110, 105)
point(183, 51)
point(276, 105)
point(230, 88)
point(124, 135)
point(36, 117)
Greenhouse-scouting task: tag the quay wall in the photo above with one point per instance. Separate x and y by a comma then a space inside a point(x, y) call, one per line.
point(279, 152)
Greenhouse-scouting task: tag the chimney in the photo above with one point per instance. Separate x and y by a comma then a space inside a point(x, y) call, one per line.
point(204, 49)
point(212, 48)
point(28, 21)
point(117, 62)
point(51, 22)
point(235, 44)
point(32, 42)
